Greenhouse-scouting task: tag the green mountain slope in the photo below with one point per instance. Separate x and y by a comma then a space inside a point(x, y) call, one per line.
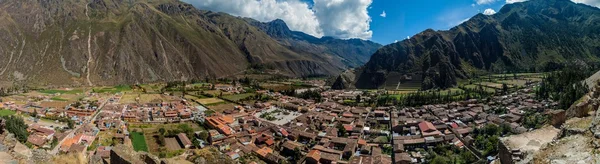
point(526, 36)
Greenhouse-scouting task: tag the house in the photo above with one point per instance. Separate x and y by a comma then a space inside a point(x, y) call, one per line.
point(36, 140)
point(313, 157)
point(427, 129)
point(184, 140)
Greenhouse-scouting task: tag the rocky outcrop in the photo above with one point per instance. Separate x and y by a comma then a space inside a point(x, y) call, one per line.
point(126, 155)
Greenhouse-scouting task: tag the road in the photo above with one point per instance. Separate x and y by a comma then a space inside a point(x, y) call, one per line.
point(87, 122)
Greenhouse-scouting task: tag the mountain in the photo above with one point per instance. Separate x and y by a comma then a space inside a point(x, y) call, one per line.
point(530, 36)
point(107, 42)
point(353, 52)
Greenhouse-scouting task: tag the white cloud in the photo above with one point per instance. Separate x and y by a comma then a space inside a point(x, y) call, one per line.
point(395, 41)
point(484, 2)
point(489, 12)
point(595, 3)
point(383, 14)
point(514, 1)
point(337, 18)
point(472, 5)
point(344, 18)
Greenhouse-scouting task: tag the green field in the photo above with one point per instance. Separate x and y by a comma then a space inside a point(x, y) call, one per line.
point(139, 141)
point(58, 99)
point(5, 112)
point(115, 89)
point(238, 97)
point(54, 91)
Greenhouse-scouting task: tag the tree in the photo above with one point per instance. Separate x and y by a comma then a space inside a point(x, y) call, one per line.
point(17, 126)
point(161, 140)
point(203, 135)
point(70, 124)
point(504, 88)
point(358, 98)
point(342, 131)
point(162, 131)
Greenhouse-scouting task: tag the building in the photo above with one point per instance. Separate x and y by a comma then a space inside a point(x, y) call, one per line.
point(184, 140)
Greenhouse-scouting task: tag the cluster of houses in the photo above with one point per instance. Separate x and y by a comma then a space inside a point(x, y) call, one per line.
point(159, 112)
point(330, 132)
point(40, 136)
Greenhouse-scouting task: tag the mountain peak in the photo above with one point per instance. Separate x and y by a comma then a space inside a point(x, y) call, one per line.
point(543, 32)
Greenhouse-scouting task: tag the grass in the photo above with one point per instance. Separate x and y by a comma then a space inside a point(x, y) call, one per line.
point(54, 91)
point(139, 141)
point(115, 89)
point(210, 101)
point(58, 99)
point(5, 112)
point(238, 97)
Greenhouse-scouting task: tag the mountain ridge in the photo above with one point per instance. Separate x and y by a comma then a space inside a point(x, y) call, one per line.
point(527, 36)
point(108, 42)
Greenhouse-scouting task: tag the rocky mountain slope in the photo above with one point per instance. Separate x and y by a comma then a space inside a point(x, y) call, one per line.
point(107, 42)
point(353, 52)
point(527, 36)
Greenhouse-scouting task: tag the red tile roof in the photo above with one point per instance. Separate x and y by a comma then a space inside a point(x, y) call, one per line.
point(426, 126)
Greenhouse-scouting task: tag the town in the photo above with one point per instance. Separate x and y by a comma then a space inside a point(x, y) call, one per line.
point(299, 121)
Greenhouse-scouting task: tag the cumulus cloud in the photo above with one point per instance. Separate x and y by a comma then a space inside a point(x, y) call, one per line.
point(344, 18)
point(484, 2)
point(383, 14)
point(337, 18)
point(489, 12)
point(514, 1)
point(595, 3)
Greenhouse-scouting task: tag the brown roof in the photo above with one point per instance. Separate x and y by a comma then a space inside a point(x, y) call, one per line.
point(184, 139)
point(36, 140)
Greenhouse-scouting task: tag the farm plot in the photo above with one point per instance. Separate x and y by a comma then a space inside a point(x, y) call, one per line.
point(238, 97)
point(210, 101)
point(143, 98)
point(139, 141)
point(172, 144)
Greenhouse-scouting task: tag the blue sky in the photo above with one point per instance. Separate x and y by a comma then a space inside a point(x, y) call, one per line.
point(409, 17)
point(362, 18)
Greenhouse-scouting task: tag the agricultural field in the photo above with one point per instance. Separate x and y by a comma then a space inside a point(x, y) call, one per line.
point(172, 144)
point(115, 89)
point(217, 93)
point(493, 85)
point(220, 107)
point(150, 130)
point(143, 98)
point(280, 87)
point(517, 82)
point(210, 101)
point(139, 141)
point(4, 112)
point(487, 89)
point(62, 91)
point(405, 91)
point(238, 97)
point(152, 88)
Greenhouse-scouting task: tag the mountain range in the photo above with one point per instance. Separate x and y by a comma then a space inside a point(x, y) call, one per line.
point(108, 42)
point(535, 35)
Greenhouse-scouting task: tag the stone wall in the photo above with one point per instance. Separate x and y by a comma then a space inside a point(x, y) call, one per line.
point(504, 153)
